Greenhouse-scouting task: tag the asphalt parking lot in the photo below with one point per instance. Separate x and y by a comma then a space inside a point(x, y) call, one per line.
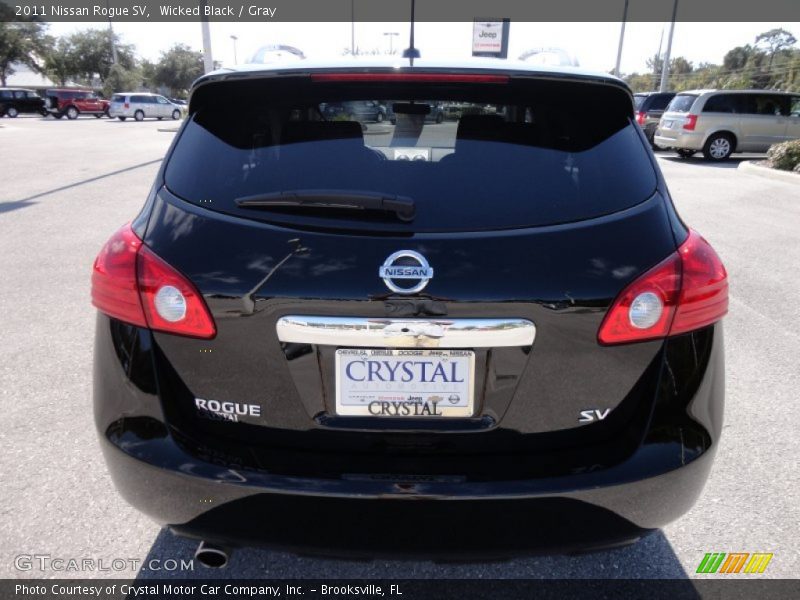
point(67, 185)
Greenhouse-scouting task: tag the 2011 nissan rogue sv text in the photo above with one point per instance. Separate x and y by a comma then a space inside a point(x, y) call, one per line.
point(475, 338)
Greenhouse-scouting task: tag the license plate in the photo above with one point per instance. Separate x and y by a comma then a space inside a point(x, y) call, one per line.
point(667, 125)
point(405, 383)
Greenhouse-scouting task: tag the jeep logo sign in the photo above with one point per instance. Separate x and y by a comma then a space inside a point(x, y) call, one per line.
point(490, 38)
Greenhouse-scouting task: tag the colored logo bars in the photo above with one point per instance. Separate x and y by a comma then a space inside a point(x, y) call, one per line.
point(735, 562)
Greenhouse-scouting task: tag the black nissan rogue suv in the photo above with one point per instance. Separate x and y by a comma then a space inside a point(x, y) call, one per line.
point(473, 338)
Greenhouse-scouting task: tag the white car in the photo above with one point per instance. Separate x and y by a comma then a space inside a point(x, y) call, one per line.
point(141, 105)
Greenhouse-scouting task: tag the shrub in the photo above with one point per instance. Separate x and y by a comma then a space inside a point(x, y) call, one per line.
point(785, 156)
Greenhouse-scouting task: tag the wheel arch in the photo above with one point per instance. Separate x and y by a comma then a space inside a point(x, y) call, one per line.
point(724, 131)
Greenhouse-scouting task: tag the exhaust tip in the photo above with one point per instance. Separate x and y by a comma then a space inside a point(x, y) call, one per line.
point(211, 556)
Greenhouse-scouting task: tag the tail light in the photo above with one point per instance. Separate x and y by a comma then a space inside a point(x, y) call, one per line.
point(132, 284)
point(127, 105)
point(690, 122)
point(686, 291)
point(641, 117)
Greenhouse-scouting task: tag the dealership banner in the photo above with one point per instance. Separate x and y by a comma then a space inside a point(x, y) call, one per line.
point(400, 589)
point(390, 10)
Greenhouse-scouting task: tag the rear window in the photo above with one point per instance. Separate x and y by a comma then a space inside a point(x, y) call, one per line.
point(470, 157)
point(659, 101)
point(117, 98)
point(638, 100)
point(682, 103)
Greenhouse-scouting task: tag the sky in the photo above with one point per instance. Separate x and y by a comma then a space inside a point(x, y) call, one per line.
point(593, 44)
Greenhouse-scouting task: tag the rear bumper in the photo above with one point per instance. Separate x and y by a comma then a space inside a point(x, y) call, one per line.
point(374, 518)
point(202, 492)
point(683, 140)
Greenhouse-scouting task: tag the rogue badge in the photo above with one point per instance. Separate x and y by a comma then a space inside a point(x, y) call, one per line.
point(409, 265)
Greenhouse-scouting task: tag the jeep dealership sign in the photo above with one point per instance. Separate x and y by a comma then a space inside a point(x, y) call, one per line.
point(490, 38)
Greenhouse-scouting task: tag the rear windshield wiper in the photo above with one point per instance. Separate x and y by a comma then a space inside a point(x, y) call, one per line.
point(402, 206)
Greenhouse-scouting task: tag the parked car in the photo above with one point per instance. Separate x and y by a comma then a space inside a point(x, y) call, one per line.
point(142, 105)
point(436, 114)
point(721, 122)
point(14, 101)
point(74, 102)
point(648, 108)
point(362, 110)
point(512, 347)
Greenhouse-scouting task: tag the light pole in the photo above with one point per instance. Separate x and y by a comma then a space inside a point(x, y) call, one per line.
point(391, 35)
point(111, 34)
point(665, 66)
point(208, 59)
point(235, 59)
point(621, 38)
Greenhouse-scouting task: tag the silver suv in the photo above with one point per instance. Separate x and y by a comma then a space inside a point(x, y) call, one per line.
point(142, 104)
point(721, 122)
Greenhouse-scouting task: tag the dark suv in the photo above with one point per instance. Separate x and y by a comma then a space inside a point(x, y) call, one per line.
point(14, 101)
point(469, 339)
point(648, 107)
point(72, 103)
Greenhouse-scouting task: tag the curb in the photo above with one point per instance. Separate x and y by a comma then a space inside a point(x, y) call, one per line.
point(748, 166)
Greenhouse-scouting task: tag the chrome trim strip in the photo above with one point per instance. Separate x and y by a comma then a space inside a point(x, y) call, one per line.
point(359, 332)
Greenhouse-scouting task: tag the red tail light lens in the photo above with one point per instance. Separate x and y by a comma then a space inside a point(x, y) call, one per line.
point(127, 105)
point(691, 122)
point(114, 288)
point(685, 292)
point(641, 117)
point(131, 283)
point(171, 302)
point(704, 291)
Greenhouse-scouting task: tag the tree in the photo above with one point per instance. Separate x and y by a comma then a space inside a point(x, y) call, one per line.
point(680, 66)
point(177, 68)
point(20, 42)
point(120, 79)
point(60, 61)
point(737, 58)
point(775, 40)
point(94, 56)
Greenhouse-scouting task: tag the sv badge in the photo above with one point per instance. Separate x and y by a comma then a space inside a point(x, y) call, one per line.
point(595, 414)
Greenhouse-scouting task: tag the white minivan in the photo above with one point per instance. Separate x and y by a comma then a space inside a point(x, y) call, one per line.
point(141, 105)
point(721, 122)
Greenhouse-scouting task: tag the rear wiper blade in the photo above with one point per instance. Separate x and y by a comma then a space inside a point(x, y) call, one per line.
point(402, 206)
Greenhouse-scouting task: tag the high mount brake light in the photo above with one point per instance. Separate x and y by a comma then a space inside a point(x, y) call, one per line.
point(686, 291)
point(132, 284)
point(411, 77)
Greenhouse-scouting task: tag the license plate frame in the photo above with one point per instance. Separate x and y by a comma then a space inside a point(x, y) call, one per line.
point(435, 397)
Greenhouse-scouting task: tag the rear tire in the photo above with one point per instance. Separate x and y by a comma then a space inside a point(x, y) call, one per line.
point(12, 112)
point(176, 114)
point(718, 147)
point(98, 115)
point(138, 115)
point(58, 115)
point(72, 113)
point(439, 118)
point(122, 118)
point(686, 153)
point(159, 118)
point(379, 118)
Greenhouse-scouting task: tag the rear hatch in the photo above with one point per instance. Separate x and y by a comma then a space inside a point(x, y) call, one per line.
point(304, 235)
point(676, 115)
